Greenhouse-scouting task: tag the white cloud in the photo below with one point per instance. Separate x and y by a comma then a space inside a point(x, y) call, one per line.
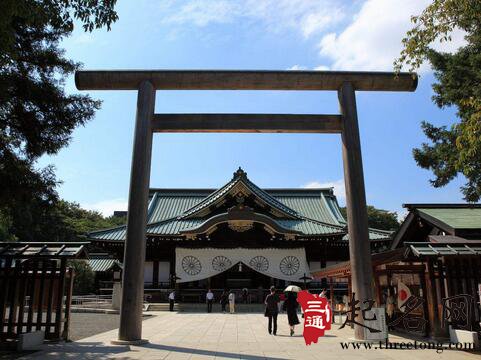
point(360, 35)
point(107, 207)
point(318, 21)
point(297, 68)
point(308, 17)
point(373, 39)
point(337, 185)
point(202, 12)
point(302, 67)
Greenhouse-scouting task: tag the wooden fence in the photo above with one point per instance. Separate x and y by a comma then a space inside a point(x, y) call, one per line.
point(36, 295)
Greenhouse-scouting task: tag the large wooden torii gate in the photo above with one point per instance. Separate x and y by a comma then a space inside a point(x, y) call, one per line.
point(147, 122)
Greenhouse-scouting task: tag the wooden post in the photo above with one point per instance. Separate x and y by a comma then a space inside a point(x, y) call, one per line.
point(377, 286)
point(68, 304)
point(41, 295)
point(426, 310)
point(32, 295)
point(359, 246)
point(331, 293)
point(134, 251)
point(4, 294)
point(432, 300)
point(22, 281)
point(60, 292)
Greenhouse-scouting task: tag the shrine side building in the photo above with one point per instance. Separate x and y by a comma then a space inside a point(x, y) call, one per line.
point(238, 237)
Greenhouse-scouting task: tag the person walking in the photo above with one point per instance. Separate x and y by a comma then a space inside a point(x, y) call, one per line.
point(232, 302)
point(209, 298)
point(223, 300)
point(171, 300)
point(272, 310)
point(291, 305)
point(282, 298)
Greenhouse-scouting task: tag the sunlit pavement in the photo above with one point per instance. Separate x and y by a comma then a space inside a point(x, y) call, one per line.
point(225, 336)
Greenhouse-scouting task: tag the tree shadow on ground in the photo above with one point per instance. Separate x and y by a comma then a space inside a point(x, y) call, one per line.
point(213, 353)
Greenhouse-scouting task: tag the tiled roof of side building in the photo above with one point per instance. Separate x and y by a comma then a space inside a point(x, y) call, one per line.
point(103, 264)
point(457, 218)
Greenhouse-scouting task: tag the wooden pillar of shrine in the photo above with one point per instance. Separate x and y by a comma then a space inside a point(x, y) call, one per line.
point(359, 246)
point(432, 300)
point(130, 330)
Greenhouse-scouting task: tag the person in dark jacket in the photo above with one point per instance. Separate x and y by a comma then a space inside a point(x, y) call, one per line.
point(272, 310)
point(224, 299)
point(291, 305)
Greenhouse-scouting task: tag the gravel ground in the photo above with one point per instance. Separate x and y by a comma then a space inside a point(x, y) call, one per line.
point(84, 324)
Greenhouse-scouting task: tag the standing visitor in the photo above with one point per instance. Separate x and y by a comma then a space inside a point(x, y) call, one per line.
point(291, 306)
point(232, 302)
point(245, 295)
point(171, 300)
point(272, 310)
point(223, 300)
point(210, 299)
point(282, 298)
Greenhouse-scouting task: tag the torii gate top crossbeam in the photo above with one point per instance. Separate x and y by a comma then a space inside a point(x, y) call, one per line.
point(244, 80)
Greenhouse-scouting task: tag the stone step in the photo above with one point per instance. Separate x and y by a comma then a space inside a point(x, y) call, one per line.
point(241, 308)
point(160, 307)
point(191, 307)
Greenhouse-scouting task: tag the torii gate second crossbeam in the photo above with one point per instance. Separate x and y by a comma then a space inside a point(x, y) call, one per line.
point(146, 82)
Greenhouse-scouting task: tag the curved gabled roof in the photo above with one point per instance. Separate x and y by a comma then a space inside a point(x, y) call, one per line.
point(239, 182)
point(309, 212)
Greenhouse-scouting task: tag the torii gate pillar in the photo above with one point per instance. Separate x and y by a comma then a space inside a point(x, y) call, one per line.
point(359, 245)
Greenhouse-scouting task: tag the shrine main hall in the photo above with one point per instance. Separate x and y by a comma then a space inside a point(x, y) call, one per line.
point(239, 237)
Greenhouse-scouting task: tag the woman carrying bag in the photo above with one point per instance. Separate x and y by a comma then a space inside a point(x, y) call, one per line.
point(290, 306)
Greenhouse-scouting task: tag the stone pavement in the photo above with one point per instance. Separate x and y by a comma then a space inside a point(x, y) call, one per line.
point(225, 336)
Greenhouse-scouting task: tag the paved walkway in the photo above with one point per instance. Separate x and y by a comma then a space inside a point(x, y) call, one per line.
point(225, 336)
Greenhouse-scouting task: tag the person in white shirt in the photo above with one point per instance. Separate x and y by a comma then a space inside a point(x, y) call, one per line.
point(232, 302)
point(210, 299)
point(171, 301)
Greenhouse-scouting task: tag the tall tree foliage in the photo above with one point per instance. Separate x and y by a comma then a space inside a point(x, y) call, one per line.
point(457, 149)
point(37, 116)
point(379, 219)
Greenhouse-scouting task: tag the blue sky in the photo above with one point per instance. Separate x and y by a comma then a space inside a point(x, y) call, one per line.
point(277, 35)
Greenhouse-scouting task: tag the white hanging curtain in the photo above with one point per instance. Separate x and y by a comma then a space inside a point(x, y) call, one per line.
point(198, 264)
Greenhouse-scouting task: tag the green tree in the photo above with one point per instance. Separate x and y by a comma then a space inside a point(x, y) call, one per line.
point(84, 280)
point(64, 221)
point(78, 221)
point(457, 149)
point(379, 219)
point(37, 117)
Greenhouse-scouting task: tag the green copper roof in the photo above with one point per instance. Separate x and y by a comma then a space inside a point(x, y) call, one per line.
point(101, 264)
point(456, 218)
point(239, 179)
point(313, 212)
point(375, 234)
point(173, 227)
